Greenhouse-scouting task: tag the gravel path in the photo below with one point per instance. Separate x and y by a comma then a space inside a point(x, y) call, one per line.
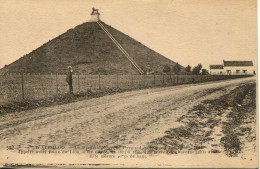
point(126, 119)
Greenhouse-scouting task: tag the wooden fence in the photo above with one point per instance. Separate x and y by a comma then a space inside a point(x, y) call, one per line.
point(16, 87)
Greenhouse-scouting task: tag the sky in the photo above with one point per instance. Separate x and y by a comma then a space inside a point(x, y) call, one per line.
point(186, 31)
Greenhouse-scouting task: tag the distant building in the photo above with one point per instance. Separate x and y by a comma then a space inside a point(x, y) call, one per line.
point(216, 69)
point(239, 67)
point(233, 68)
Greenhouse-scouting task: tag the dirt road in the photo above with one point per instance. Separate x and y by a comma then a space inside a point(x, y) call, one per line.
point(126, 119)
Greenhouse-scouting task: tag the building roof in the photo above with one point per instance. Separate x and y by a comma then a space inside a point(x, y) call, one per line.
point(216, 66)
point(238, 63)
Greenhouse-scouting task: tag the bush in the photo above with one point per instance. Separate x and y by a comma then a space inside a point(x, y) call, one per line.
point(232, 144)
point(188, 68)
point(166, 69)
point(176, 68)
point(196, 70)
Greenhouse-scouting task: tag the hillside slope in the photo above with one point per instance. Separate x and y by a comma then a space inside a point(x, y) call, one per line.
point(89, 50)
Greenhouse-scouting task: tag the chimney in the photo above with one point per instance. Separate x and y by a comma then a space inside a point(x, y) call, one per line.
point(94, 15)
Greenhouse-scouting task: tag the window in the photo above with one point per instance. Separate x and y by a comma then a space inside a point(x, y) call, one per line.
point(245, 71)
point(228, 72)
point(237, 71)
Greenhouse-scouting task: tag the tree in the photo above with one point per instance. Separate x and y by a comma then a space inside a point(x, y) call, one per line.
point(176, 68)
point(196, 69)
point(166, 69)
point(188, 68)
point(204, 72)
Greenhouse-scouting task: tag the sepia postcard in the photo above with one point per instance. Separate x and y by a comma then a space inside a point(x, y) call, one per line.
point(129, 84)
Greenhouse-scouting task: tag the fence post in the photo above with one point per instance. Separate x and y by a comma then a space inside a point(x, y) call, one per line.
point(78, 83)
point(177, 79)
point(117, 81)
point(56, 83)
point(154, 82)
point(22, 88)
point(132, 80)
point(163, 79)
point(99, 85)
point(144, 80)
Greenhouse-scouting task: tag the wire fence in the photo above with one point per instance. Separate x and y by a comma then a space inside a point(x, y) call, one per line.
point(17, 87)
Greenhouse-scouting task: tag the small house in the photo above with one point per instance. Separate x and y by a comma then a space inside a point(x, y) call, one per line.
point(216, 69)
point(238, 67)
point(233, 68)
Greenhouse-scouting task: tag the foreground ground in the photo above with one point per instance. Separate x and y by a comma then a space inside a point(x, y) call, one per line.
point(218, 117)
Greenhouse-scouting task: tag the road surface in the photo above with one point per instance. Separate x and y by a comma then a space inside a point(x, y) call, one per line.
point(125, 119)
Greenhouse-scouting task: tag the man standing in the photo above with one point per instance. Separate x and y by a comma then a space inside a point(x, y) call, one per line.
point(69, 79)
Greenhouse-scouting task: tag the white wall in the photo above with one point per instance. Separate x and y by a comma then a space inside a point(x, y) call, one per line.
point(233, 69)
point(217, 71)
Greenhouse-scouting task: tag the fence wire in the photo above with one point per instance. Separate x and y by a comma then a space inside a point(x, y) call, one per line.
point(17, 87)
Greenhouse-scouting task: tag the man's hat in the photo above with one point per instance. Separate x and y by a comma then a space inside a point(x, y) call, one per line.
point(69, 67)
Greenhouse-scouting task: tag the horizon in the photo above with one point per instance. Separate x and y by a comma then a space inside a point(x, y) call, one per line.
point(198, 32)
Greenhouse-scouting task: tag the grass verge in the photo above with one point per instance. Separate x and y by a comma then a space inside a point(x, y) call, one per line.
point(224, 125)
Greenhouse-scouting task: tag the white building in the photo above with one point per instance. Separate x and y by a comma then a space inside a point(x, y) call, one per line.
point(238, 67)
point(216, 69)
point(233, 68)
